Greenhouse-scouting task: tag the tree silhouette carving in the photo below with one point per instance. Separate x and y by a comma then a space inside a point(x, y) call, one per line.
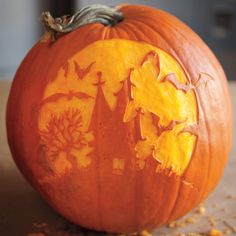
point(61, 135)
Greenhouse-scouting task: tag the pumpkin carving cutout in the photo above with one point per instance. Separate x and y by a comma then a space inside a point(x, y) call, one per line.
point(121, 124)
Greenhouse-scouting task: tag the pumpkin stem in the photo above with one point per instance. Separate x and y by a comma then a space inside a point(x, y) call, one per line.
point(108, 16)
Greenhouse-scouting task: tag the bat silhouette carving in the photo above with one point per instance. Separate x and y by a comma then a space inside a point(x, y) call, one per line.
point(82, 72)
point(160, 128)
point(69, 96)
point(202, 79)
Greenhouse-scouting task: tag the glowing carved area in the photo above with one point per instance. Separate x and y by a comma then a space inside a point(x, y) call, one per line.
point(118, 165)
point(161, 113)
point(166, 112)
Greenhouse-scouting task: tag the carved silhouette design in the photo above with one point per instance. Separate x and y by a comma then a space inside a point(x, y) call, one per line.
point(141, 112)
point(138, 127)
point(159, 128)
point(146, 119)
point(202, 79)
point(65, 67)
point(82, 72)
point(61, 138)
point(109, 130)
point(71, 94)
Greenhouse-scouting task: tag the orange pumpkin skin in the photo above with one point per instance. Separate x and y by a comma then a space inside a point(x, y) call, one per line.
point(106, 194)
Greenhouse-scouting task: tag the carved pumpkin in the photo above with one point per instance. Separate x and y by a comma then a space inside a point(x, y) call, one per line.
point(121, 128)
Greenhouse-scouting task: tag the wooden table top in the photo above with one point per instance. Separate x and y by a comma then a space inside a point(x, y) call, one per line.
point(23, 212)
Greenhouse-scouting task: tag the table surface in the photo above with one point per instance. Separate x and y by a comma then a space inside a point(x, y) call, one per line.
point(23, 212)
